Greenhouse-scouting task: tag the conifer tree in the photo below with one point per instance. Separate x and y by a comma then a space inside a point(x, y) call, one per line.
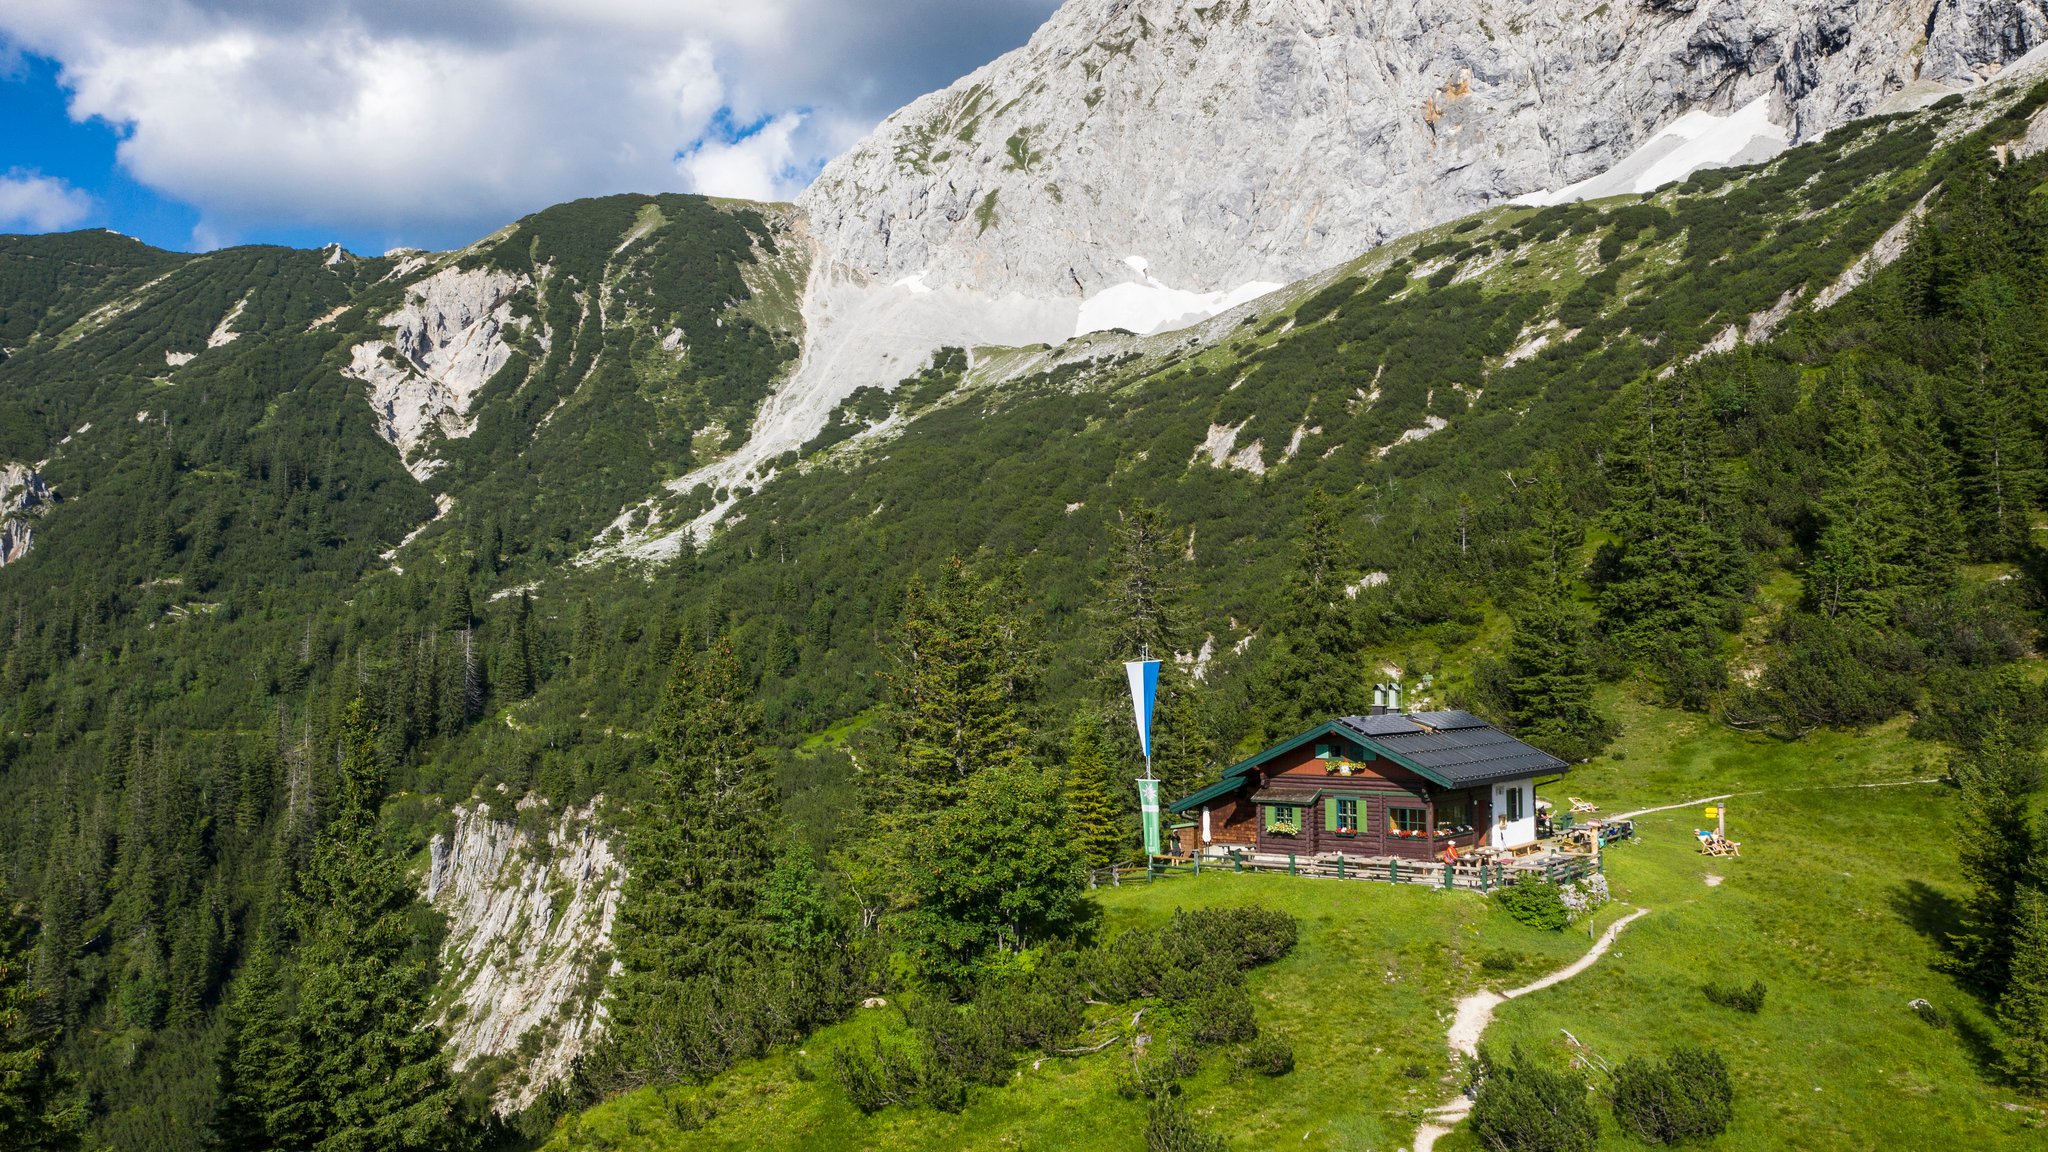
point(2023, 1007)
point(1138, 612)
point(1184, 750)
point(363, 1071)
point(1931, 525)
point(250, 1096)
point(690, 914)
point(1309, 673)
point(1093, 811)
point(965, 668)
point(1551, 676)
point(38, 1111)
point(1856, 560)
point(1671, 562)
point(523, 661)
point(1996, 839)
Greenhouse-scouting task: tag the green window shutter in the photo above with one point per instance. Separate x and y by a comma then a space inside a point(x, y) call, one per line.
point(1270, 822)
point(1330, 823)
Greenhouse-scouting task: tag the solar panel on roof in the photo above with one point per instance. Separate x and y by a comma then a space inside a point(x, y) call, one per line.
point(1388, 725)
point(1450, 720)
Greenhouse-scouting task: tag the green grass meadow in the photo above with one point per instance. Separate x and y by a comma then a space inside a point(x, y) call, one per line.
point(1836, 904)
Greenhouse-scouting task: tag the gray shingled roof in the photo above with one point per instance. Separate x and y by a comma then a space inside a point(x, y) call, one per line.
point(1457, 746)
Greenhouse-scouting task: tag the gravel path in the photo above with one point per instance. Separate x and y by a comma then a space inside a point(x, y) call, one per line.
point(1475, 1012)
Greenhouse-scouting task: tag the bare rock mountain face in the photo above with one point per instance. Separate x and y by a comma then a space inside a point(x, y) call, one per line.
point(1226, 142)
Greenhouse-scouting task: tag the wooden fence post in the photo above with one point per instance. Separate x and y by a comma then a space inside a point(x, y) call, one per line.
point(1290, 864)
point(1340, 866)
point(1394, 870)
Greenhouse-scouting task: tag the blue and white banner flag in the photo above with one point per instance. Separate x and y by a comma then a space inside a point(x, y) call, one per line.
point(1144, 676)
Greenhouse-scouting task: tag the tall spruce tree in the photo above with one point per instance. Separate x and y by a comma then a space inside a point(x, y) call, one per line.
point(966, 667)
point(1309, 672)
point(1996, 841)
point(364, 1071)
point(690, 917)
point(38, 1110)
point(2023, 1006)
point(1672, 562)
point(1551, 676)
point(1857, 563)
point(1138, 610)
point(1094, 814)
point(1932, 526)
point(249, 1088)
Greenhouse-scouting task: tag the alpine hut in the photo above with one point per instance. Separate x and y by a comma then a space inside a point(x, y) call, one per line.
point(1392, 783)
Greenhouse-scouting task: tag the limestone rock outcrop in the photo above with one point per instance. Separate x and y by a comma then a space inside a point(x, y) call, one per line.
point(529, 930)
point(23, 496)
point(447, 342)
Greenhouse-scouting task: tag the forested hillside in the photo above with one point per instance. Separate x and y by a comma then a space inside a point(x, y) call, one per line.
point(1698, 444)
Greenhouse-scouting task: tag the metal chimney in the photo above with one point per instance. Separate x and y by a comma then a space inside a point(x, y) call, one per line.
point(1394, 697)
point(1379, 700)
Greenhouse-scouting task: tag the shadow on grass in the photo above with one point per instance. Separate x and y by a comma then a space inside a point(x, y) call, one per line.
point(1937, 915)
point(1928, 910)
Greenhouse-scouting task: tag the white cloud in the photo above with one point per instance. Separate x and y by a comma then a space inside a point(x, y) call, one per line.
point(38, 203)
point(433, 123)
point(762, 166)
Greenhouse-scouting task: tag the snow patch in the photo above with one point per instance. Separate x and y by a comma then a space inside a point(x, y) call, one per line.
point(1146, 306)
point(1694, 141)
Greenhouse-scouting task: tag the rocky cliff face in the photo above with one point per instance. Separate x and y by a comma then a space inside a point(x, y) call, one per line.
point(1233, 141)
point(446, 343)
point(529, 930)
point(23, 497)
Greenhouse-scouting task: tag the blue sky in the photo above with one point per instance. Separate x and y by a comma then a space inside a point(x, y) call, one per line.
point(42, 139)
point(378, 123)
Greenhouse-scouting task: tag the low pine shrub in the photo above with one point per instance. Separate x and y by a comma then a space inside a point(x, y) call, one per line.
point(1500, 960)
point(1525, 1107)
point(1247, 936)
point(1537, 903)
point(1223, 1014)
point(1169, 1128)
point(1686, 1096)
point(1750, 999)
point(1268, 1056)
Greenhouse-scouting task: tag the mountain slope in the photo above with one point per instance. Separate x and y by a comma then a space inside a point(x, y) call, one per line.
point(1143, 164)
